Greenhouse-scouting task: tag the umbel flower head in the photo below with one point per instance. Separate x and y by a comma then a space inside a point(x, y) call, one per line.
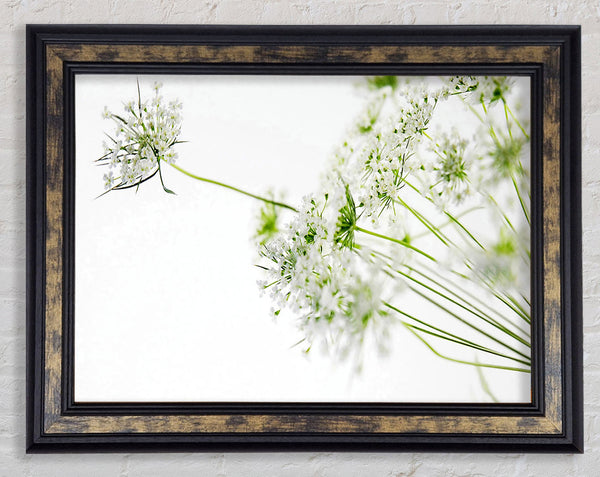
point(380, 161)
point(313, 270)
point(144, 136)
point(449, 170)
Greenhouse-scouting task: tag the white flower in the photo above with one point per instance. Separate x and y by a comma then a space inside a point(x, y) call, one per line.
point(109, 180)
point(312, 272)
point(144, 136)
point(451, 170)
point(380, 158)
point(491, 89)
point(462, 84)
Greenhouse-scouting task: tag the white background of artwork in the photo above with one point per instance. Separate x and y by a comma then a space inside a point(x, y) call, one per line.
point(167, 306)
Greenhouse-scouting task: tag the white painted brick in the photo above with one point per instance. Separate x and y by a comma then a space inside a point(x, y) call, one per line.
point(14, 14)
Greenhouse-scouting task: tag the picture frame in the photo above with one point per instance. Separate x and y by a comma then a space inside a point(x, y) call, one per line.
point(548, 55)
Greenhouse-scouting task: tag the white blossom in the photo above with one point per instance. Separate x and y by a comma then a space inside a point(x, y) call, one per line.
point(336, 294)
point(144, 136)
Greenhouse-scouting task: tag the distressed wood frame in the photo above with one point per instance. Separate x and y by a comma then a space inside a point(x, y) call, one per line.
point(549, 55)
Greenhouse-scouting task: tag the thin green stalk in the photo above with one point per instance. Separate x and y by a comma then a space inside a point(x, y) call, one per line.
point(495, 138)
point(429, 225)
point(490, 127)
point(464, 344)
point(447, 333)
point(517, 304)
point(507, 120)
point(519, 311)
point(499, 210)
point(448, 222)
point(484, 384)
point(483, 106)
point(456, 221)
point(470, 325)
point(451, 337)
point(235, 189)
point(472, 109)
point(400, 242)
point(487, 319)
point(514, 304)
point(508, 368)
point(467, 294)
point(520, 199)
point(431, 139)
point(453, 219)
point(518, 123)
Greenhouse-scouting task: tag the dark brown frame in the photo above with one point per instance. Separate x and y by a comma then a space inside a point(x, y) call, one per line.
point(549, 55)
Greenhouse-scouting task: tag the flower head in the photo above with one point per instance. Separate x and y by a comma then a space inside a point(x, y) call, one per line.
point(506, 155)
point(450, 170)
point(314, 271)
point(144, 136)
point(382, 162)
point(463, 84)
point(492, 89)
point(267, 223)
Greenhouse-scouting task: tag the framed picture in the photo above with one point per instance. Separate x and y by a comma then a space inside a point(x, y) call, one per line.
point(291, 238)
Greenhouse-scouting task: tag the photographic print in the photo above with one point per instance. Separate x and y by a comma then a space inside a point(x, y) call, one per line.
point(302, 238)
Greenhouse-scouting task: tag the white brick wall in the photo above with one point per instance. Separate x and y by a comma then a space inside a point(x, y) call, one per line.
point(14, 14)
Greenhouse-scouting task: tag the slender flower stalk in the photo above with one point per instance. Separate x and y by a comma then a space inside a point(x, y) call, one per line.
point(404, 243)
point(144, 139)
point(235, 189)
point(460, 361)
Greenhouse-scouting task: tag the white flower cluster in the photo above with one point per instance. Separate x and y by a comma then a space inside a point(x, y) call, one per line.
point(336, 295)
point(380, 157)
point(492, 89)
point(316, 268)
point(144, 136)
point(463, 84)
point(367, 119)
point(399, 170)
point(450, 169)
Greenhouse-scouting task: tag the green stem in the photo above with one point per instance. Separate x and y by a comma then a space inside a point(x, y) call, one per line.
point(451, 337)
point(473, 110)
point(466, 293)
point(456, 337)
point(452, 218)
point(235, 189)
point(449, 222)
point(470, 325)
point(429, 225)
point(478, 348)
point(507, 120)
point(481, 316)
point(394, 272)
point(463, 228)
point(502, 214)
point(513, 306)
point(461, 361)
point(518, 305)
point(518, 123)
point(484, 384)
point(520, 199)
point(400, 242)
